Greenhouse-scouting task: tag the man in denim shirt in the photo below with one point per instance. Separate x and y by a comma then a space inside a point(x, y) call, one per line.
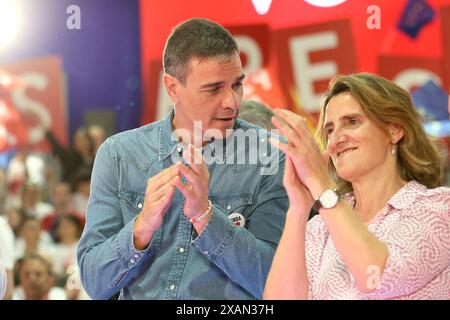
point(167, 220)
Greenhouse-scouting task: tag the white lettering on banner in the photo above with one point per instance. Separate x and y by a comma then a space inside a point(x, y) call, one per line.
point(262, 6)
point(262, 78)
point(73, 22)
point(28, 106)
point(306, 73)
point(374, 20)
point(4, 133)
point(325, 3)
point(415, 77)
point(253, 52)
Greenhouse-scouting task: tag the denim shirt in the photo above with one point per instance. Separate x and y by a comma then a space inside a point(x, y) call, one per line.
point(225, 261)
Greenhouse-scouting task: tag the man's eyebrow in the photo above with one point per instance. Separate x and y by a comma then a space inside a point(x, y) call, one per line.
point(220, 83)
point(212, 85)
point(240, 78)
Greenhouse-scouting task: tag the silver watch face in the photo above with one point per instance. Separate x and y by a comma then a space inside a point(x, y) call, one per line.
point(329, 198)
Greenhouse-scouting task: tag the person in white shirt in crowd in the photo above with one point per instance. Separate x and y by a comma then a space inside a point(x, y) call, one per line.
point(69, 232)
point(36, 280)
point(16, 177)
point(25, 177)
point(15, 217)
point(31, 201)
point(7, 255)
point(33, 240)
point(65, 257)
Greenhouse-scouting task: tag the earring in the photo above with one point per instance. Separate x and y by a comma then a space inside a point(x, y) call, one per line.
point(393, 149)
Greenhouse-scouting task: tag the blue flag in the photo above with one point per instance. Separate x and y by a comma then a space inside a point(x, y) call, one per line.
point(432, 101)
point(415, 16)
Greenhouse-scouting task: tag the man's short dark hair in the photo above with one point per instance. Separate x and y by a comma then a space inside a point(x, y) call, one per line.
point(200, 38)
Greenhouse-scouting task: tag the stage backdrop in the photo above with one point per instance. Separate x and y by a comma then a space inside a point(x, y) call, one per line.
point(296, 48)
point(301, 46)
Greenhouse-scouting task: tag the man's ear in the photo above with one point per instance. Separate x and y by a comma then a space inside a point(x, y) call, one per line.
point(172, 87)
point(395, 133)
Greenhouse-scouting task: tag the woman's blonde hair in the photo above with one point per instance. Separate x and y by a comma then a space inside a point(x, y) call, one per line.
point(419, 156)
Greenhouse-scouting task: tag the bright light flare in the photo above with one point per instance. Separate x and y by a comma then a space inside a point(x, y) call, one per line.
point(5, 80)
point(10, 22)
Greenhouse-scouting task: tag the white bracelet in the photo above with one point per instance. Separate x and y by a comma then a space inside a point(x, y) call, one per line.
point(203, 215)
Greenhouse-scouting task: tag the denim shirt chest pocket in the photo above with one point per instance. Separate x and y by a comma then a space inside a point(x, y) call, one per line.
point(233, 204)
point(131, 203)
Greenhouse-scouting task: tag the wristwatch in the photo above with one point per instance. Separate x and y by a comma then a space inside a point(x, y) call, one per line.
point(328, 199)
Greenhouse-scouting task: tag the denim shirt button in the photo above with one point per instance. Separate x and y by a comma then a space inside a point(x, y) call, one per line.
point(205, 253)
point(132, 260)
point(228, 207)
point(172, 286)
point(136, 256)
point(140, 205)
point(181, 249)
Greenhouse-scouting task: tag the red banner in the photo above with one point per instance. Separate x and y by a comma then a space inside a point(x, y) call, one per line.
point(445, 29)
point(254, 44)
point(411, 72)
point(34, 106)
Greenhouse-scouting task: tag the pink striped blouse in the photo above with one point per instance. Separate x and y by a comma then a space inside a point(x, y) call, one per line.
point(415, 225)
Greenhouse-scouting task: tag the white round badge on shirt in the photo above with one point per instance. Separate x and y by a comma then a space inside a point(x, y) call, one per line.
point(237, 219)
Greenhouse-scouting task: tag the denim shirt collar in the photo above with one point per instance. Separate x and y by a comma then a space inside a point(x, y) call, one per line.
point(168, 142)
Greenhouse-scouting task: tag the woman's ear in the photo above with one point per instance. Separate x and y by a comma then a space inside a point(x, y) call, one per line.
point(172, 87)
point(395, 133)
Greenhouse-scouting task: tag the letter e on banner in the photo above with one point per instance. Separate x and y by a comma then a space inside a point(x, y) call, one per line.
point(311, 55)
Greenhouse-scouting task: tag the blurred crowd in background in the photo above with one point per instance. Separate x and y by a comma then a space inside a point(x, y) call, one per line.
point(43, 200)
